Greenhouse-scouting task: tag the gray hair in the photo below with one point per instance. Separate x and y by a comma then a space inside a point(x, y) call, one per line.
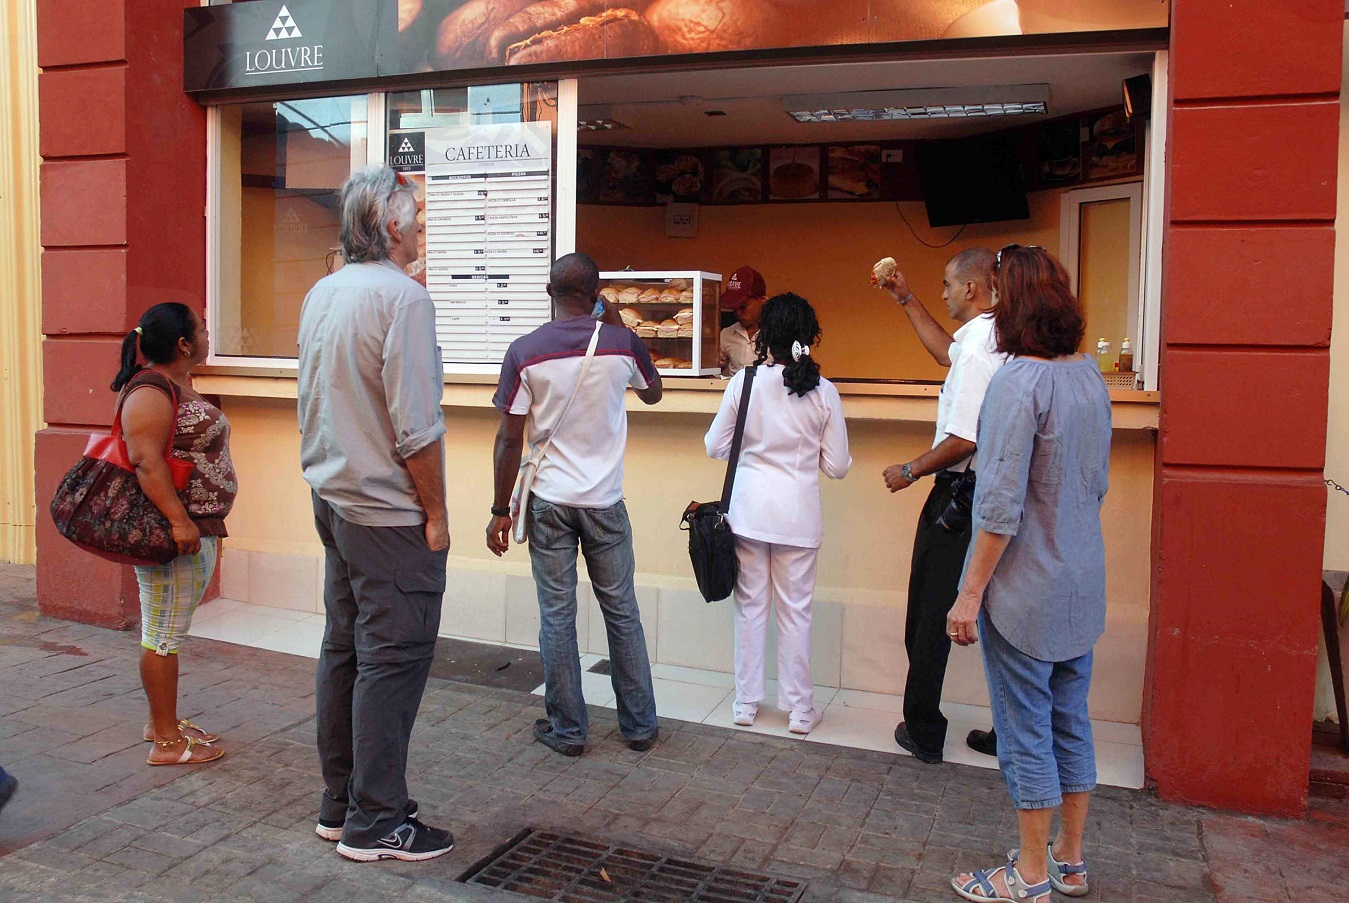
point(370, 198)
point(975, 265)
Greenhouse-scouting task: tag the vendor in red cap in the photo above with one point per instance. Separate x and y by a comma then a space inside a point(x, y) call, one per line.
point(744, 294)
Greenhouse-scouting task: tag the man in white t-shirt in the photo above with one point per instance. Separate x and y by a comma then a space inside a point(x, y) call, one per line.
point(577, 497)
point(941, 543)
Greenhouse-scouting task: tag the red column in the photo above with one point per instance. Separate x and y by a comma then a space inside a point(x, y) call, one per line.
point(1248, 271)
point(123, 200)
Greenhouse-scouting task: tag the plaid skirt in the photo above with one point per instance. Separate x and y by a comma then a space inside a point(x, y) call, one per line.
point(170, 594)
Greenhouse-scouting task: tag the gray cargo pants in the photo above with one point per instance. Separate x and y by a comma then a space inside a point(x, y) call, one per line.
point(382, 592)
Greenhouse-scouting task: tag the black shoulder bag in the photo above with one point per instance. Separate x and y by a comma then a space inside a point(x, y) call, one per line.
point(711, 542)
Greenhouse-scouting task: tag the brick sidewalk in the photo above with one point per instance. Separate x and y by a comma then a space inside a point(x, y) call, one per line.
point(91, 821)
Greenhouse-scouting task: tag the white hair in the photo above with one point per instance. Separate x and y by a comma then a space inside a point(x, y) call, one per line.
point(371, 197)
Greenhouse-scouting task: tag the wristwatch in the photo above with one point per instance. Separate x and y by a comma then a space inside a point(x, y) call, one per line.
point(500, 512)
point(906, 299)
point(907, 472)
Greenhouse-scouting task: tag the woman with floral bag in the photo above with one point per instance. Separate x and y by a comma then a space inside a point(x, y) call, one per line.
point(163, 419)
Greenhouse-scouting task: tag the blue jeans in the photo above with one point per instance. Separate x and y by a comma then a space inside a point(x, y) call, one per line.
point(605, 539)
point(1045, 747)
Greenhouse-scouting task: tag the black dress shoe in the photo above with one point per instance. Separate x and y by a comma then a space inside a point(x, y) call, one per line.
point(985, 742)
point(543, 732)
point(904, 740)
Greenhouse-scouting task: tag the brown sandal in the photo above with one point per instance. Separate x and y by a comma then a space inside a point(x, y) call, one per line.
point(190, 755)
point(185, 729)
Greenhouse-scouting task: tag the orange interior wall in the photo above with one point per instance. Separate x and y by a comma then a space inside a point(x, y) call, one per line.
point(823, 252)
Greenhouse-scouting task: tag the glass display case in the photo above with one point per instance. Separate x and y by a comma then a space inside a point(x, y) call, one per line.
point(675, 313)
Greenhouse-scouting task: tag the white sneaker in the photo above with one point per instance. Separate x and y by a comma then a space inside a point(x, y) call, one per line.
point(743, 712)
point(804, 722)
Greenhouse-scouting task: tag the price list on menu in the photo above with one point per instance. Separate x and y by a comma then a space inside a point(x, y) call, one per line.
point(488, 235)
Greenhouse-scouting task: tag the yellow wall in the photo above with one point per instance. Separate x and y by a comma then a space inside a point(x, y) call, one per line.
point(824, 253)
point(1337, 441)
point(1103, 273)
point(20, 291)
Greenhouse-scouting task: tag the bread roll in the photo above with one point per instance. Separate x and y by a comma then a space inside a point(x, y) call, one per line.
point(611, 34)
point(684, 315)
point(631, 318)
point(883, 270)
point(707, 26)
point(649, 295)
point(461, 42)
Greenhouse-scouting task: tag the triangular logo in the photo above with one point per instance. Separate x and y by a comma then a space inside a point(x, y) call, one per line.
point(284, 26)
point(406, 147)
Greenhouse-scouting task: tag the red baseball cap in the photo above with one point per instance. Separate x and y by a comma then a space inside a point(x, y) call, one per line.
point(744, 283)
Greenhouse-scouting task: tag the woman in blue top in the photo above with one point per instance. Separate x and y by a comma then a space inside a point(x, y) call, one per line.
point(1034, 583)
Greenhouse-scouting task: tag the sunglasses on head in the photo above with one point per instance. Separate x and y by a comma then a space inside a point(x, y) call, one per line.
point(997, 261)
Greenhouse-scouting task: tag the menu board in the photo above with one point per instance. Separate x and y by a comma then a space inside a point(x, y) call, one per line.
point(488, 235)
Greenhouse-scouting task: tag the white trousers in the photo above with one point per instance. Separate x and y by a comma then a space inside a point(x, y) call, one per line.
point(783, 578)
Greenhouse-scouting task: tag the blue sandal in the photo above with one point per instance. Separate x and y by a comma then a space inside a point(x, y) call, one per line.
point(1057, 869)
point(981, 890)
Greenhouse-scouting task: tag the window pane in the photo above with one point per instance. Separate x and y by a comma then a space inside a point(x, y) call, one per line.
point(282, 164)
point(477, 317)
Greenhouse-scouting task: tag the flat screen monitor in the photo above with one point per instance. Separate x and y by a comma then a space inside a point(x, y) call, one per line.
point(972, 180)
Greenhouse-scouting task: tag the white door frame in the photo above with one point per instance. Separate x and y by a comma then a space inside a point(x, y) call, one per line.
point(1071, 239)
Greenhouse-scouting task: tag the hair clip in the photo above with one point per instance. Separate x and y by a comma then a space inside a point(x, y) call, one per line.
point(798, 350)
point(139, 331)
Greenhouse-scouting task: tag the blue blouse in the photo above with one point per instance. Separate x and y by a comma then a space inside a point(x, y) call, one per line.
point(1044, 460)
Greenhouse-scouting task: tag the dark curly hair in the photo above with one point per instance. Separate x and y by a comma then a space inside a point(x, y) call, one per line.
point(785, 319)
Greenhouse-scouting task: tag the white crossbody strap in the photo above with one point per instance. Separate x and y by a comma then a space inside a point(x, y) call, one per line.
point(585, 368)
point(525, 483)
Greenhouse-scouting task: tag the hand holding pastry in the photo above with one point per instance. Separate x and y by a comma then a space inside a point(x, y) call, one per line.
point(886, 274)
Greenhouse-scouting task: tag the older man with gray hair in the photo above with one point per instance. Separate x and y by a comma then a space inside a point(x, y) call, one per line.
point(372, 449)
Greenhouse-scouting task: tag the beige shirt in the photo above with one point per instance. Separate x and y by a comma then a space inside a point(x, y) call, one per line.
point(737, 349)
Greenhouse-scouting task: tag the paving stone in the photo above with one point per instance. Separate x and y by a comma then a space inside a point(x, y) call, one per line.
point(861, 827)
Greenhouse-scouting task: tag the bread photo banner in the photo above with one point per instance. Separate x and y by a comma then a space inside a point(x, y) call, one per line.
point(260, 44)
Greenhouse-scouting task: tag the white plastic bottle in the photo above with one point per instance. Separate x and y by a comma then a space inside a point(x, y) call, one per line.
point(1103, 355)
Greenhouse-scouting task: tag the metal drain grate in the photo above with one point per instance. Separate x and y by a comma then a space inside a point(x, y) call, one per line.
point(560, 867)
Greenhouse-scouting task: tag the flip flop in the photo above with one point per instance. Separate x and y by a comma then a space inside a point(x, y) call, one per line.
point(210, 753)
point(187, 729)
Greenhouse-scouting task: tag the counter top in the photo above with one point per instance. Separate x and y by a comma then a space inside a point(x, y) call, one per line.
point(885, 400)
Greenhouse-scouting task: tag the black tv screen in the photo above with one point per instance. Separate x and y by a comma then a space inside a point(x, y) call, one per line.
point(972, 180)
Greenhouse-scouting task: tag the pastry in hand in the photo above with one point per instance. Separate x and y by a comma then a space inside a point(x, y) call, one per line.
point(885, 268)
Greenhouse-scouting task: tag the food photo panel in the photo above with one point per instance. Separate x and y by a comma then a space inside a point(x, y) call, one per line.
point(794, 173)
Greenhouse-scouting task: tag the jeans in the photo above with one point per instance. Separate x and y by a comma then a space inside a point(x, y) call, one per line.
point(1045, 747)
point(934, 581)
point(382, 591)
point(605, 540)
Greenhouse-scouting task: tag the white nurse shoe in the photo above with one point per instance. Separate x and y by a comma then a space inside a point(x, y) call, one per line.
point(804, 722)
point(743, 713)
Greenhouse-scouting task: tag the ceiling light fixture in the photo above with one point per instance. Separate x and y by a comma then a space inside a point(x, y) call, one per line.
point(600, 125)
point(919, 103)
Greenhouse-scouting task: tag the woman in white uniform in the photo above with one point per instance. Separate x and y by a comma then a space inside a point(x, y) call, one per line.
point(794, 429)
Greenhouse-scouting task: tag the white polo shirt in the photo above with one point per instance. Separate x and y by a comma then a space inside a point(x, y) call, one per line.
point(974, 359)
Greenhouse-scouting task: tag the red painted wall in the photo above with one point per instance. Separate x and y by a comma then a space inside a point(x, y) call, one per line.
point(1248, 270)
point(123, 228)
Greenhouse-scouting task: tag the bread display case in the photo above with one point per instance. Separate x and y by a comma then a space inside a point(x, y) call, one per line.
point(675, 313)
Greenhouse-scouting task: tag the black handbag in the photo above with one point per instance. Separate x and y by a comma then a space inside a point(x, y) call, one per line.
point(711, 541)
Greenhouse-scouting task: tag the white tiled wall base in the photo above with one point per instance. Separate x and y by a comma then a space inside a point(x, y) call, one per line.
point(856, 647)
